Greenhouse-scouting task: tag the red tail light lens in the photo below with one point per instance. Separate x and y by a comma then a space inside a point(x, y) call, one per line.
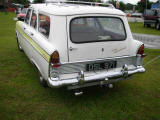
point(141, 51)
point(55, 62)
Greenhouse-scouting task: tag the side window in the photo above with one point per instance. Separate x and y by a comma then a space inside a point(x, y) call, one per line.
point(34, 20)
point(28, 16)
point(44, 25)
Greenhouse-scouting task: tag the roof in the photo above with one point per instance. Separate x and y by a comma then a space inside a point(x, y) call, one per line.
point(74, 9)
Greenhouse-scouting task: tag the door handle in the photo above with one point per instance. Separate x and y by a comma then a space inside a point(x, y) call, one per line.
point(71, 48)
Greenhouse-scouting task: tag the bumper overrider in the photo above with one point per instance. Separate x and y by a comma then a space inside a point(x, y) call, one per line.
point(81, 79)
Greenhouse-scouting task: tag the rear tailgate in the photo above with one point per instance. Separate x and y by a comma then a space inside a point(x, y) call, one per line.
point(99, 37)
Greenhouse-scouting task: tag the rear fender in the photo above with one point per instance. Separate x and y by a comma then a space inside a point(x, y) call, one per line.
point(36, 65)
point(135, 45)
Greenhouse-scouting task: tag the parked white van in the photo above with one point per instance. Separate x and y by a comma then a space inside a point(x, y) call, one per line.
point(79, 45)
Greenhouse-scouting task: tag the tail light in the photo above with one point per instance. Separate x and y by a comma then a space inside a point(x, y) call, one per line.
point(141, 51)
point(55, 62)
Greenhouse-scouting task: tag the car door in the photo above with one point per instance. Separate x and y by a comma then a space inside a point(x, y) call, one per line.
point(32, 33)
point(26, 29)
point(39, 32)
point(96, 37)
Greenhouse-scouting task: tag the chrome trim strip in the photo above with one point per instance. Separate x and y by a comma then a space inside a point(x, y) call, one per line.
point(56, 82)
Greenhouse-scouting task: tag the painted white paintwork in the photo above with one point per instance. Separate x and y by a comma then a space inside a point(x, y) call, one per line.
point(59, 38)
point(66, 9)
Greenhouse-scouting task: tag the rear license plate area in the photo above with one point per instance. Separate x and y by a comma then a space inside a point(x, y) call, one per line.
point(101, 66)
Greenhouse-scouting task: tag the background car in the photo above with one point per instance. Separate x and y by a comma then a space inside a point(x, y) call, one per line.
point(21, 16)
point(136, 15)
point(152, 18)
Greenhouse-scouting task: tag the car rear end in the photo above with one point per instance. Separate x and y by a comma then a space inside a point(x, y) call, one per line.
point(100, 50)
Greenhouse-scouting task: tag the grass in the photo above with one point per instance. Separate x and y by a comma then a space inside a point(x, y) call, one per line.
point(22, 97)
point(138, 28)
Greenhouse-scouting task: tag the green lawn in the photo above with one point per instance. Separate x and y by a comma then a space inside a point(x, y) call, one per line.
point(138, 28)
point(22, 97)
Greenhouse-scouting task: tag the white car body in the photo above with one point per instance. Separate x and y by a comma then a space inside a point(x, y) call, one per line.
point(73, 57)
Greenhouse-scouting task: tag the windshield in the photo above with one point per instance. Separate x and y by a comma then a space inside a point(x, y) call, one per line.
point(96, 29)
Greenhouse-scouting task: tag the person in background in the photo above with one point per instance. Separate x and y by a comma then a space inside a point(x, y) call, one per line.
point(6, 7)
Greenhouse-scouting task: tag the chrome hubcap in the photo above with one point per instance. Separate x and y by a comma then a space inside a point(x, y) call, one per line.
point(157, 26)
point(41, 78)
point(20, 46)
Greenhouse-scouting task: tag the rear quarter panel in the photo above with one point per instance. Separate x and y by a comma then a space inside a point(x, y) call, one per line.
point(58, 37)
point(38, 50)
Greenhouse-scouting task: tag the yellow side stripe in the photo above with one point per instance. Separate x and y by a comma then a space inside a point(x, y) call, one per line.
point(45, 55)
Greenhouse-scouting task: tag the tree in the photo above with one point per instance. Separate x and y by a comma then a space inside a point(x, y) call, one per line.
point(38, 1)
point(113, 2)
point(23, 2)
point(122, 6)
point(129, 6)
point(87, 0)
point(142, 5)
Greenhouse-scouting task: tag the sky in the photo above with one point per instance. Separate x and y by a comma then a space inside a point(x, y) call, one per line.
point(127, 1)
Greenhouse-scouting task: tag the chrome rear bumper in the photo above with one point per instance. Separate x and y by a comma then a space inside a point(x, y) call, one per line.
point(80, 79)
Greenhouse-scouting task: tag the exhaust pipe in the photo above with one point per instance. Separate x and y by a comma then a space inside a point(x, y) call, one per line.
point(78, 92)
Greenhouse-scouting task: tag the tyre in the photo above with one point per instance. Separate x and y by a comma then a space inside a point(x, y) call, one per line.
point(157, 26)
point(42, 81)
point(18, 45)
point(148, 25)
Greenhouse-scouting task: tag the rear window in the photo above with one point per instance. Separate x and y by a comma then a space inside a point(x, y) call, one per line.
point(96, 29)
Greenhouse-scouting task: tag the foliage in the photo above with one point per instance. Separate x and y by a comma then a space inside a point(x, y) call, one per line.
point(129, 6)
point(38, 1)
point(122, 4)
point(141, 6)
point(88, 0)
point(113, 2)
point(23, 2)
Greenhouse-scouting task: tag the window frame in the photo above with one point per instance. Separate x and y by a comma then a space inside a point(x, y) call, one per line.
point(29, 16)
point(34, 11)
point(97, 40)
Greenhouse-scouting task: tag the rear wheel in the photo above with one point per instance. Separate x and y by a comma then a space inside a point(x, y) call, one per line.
point(144, 25)
point(42, 81)
point(148, 25)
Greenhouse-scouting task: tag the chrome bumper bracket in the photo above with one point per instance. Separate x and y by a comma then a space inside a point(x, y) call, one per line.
point(125, 71)
point(80, 77)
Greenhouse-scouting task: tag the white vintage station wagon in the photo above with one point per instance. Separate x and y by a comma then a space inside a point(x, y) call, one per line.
point(79, 45)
